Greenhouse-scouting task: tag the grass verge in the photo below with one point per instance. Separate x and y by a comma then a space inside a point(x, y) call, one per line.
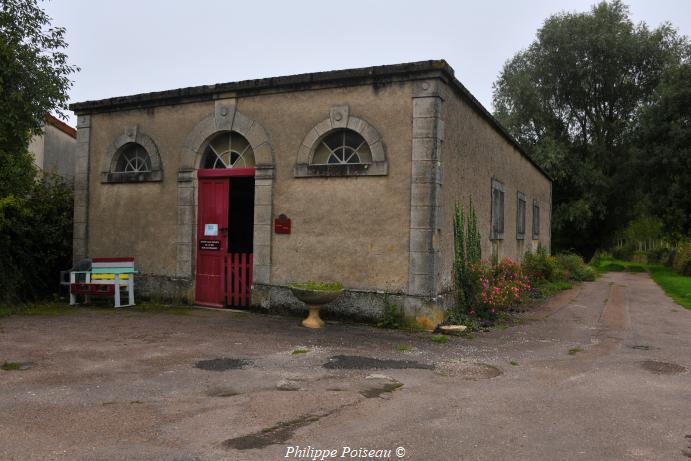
point(677, 286)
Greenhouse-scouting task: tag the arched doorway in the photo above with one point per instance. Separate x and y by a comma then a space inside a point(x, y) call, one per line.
point(225, 222)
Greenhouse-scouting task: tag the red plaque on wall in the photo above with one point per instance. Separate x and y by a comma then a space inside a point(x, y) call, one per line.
point(282, 224)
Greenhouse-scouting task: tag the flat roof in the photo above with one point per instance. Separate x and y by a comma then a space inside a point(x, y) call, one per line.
point(334, 78)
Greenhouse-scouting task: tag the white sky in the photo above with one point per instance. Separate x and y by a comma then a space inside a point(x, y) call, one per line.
point(136, 46)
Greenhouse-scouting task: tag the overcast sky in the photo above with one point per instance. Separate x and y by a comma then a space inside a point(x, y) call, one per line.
point(135, 46)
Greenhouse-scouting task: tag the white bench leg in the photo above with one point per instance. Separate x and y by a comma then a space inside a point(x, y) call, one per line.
point(117, 290)
point(73, 298)
point(130, 289)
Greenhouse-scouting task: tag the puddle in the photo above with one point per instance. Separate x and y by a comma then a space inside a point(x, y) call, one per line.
point(277, 434)
point(471, 370)
point(662, 368)
point(355, 362)
point(222, 364)
point(222, 392)
point(378, 391)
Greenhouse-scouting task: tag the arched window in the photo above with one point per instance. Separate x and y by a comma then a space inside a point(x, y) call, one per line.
point(342, 147)
point(228, 150)
point(132, 158)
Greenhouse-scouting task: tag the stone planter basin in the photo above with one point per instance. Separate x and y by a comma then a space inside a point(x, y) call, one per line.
point(315, 298)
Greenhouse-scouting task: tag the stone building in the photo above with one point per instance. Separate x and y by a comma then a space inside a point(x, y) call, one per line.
point(348, 175)
point(54, 150)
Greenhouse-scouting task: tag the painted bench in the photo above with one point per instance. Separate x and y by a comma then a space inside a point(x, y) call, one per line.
point(105, 278)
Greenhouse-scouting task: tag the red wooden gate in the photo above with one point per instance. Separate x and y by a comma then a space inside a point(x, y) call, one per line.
point(222, 278)
point(239, 282)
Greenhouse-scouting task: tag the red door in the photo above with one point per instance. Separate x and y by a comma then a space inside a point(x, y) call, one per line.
point(225, 221)
point(212, 241)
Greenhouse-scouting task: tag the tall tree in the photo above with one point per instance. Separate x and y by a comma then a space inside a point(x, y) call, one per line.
point(34, 80)
point(35, 212)
point(572, 100)
point(663, 153)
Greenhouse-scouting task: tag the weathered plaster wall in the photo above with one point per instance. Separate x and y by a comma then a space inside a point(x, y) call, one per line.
point(59, 152)
point(139, 219)
point(473, 153)
point(353, 229)
point(36, 149)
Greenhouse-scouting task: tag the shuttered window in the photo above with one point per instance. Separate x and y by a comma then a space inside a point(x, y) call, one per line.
point(497, 210)
point(520, 216)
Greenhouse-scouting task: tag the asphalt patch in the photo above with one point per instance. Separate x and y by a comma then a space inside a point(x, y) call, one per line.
point(222, 364)
point(470, 370)
point(222, 392)
point(356, 362)
point(280, 433)
point(387, 388)
point(662, 368)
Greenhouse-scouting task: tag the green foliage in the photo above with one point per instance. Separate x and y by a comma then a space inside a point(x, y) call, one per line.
point(392, 317)
point(663, 153)
point(35, 213)
point(34, 79)
point(550, 274)
point(467, 250)
point(677, 286)
point(9, 366)
point(643, 228)
point(440, 339)
point(540, 265)
point(682, 259)
point(575, 350)
point(575, 268)
point(35, 240)
point(547, 289)
point(317, 286)
point(635, 268)
point(573, 98)
point(625, 251)
point(299, 350)
point(497, 287)
point(660, 255)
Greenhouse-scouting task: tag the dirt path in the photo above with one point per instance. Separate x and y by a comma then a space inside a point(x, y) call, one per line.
point(600, 372)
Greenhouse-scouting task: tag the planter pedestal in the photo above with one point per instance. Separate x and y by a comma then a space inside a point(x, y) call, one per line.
point(313, 320)
point(314, 300)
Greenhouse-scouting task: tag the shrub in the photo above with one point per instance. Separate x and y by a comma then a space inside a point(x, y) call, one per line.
point(660, 255)
point(625, 252)
point(466, 251)
point(635, 268)
point(497, 287)
point(540, 265)
point(682, 259)
point(575, 268)
point(613, 267)
point(35, 240)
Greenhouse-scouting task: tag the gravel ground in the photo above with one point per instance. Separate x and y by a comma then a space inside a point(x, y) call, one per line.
point(598, 372)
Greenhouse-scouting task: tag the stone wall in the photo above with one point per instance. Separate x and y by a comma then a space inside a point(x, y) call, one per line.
point(351, 229)
point(474, 153)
